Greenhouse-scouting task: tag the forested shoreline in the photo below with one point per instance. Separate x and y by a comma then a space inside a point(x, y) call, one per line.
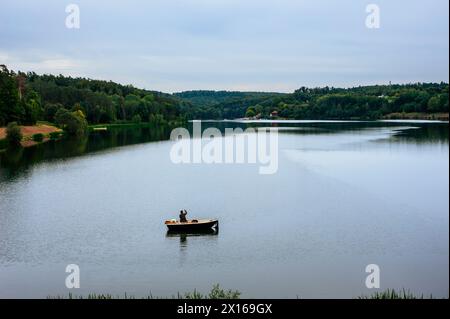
point(419, 100)
point(26, 98)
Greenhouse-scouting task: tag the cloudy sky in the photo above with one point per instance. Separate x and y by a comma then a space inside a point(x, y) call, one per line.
point(258, 45)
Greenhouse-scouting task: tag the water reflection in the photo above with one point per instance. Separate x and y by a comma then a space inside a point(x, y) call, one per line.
point(17, 161)
point(430, 132)
point(183, 236)
point(425, 134)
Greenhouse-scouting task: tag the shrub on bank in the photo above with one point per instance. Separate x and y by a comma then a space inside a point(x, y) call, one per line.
point(74, 123)
point(136, 119)
point(13, 134)
point(54, 135)
point(38, 137)
point(3, 143)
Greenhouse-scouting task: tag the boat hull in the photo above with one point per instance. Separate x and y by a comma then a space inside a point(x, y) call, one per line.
point(185, 234)
point(200, 226)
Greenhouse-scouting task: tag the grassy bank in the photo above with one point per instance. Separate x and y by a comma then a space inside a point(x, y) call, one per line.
point(118, 125)
point(134, 125)
point(28, 131)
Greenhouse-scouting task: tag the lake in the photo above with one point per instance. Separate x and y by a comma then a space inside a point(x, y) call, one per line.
point(346, 194)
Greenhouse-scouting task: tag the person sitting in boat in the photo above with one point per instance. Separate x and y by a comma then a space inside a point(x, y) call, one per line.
point(183, 214)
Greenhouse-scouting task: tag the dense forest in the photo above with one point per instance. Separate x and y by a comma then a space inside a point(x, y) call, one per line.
point(27, 97)
point(223, 104)
point(365, 102)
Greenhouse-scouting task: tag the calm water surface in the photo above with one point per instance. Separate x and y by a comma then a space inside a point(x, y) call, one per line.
point(345, 195)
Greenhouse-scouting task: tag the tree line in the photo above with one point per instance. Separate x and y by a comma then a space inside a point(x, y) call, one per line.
point(364, 102)
point(28, 97)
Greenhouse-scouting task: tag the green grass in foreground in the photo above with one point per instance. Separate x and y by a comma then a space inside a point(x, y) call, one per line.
point(219, 293)
point(394, 294)
point(215, 293)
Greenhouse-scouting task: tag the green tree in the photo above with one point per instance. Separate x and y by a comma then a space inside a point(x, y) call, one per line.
point(156, 119)
point(148, 98)
point(74, 123)
point(250, 112)
point(50, 110)
point(33, 111)
point(10, 108)
point(136, 118)
point(13, 134)
point(434, 104)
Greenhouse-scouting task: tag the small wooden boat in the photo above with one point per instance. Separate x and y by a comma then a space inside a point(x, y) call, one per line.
point(192, 225)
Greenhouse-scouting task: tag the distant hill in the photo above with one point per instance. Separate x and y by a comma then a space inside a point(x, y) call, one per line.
point(209, 98)
point(423, 100)
point(223, 104)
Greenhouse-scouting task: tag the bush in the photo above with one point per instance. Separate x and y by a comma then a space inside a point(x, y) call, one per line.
point(74, 123)
point(13, 134)
point(38, 137)
point(215, 293)
point(54, 135)
point(136, 119)
point(3, 143)
point(219, 293)
point(157, 119)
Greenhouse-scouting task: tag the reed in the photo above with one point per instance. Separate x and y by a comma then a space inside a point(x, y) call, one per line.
point(395, 294)
point(216, 293)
